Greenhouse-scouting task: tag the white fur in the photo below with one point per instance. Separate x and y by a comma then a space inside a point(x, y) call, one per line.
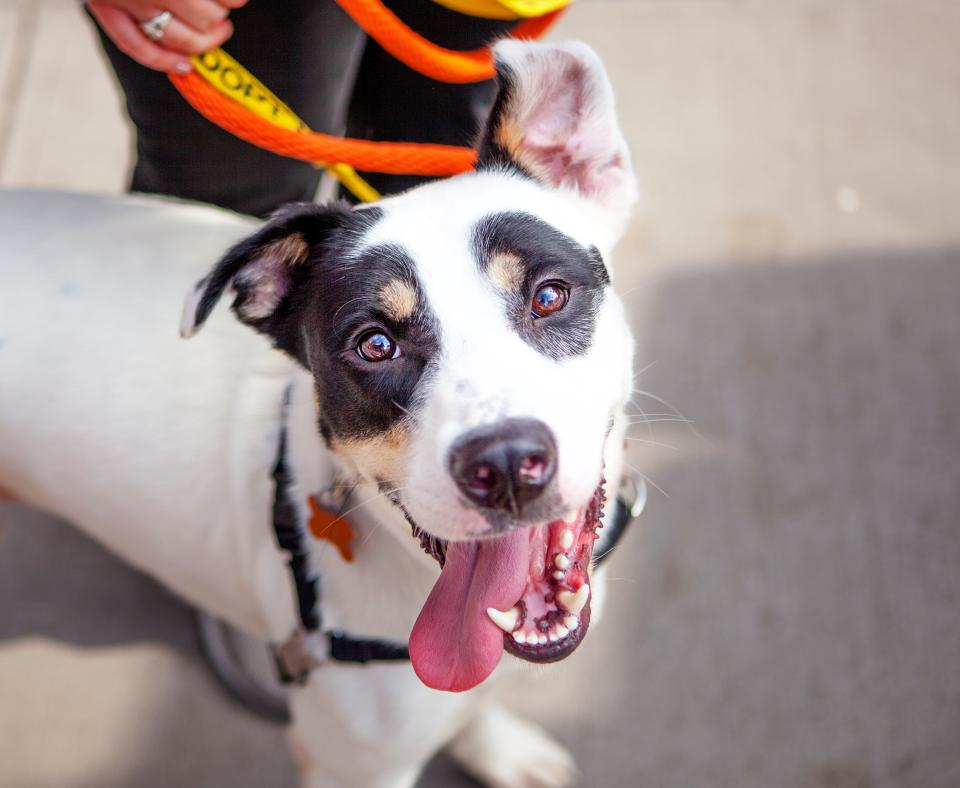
point(162, 449)
point(486, 371)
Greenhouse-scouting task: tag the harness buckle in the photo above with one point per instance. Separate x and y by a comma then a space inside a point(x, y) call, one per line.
point(298, 655)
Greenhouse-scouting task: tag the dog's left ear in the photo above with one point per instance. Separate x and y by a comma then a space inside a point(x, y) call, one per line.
point(555, 117)
point(266, 271)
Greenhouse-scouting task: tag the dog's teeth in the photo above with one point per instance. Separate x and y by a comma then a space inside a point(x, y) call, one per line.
point(571, 623)
point(505, 619)
point(566, 539)
point(558, 575)
point(520, 638)
point(562, 631)
point(553, 637)
point(542, 640)
point(561, 561)
point(570, 518)
point(574, 601)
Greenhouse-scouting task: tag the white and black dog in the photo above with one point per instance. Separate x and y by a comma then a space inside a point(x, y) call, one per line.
point(455, 354)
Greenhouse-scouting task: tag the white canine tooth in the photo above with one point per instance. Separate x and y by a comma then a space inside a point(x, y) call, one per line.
point(566, 539)
point(553, 637)
point(558, 575)
point(571, 623)
point(574, 601)
point(562, 561)
point(505, 619)
point(520, 638)
point(562, 631)
point(542, 640)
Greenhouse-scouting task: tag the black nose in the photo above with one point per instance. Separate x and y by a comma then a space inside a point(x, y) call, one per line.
point(505, 466)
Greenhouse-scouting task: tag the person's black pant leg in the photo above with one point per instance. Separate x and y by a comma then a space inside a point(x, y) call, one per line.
point(393, 102)
point(305, 51)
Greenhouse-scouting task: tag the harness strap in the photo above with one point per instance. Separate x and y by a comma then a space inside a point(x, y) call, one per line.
point(344, 648)
point(307, 647)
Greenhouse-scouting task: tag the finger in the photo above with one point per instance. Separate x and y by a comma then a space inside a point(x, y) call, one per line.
point(181, 37)
point(201, 15)
point(124, 31)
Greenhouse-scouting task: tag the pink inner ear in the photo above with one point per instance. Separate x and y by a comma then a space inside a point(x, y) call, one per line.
point(265, 280)
point(568, 129)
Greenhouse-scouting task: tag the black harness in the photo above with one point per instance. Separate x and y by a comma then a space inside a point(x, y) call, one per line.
point(311, 646)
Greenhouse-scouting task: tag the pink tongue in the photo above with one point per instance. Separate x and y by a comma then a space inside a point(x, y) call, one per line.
point(454, 644)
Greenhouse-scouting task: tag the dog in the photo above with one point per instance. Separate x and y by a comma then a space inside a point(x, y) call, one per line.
point(454, 356)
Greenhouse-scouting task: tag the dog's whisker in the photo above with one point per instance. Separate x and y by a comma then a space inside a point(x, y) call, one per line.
point(648, 480)
point(642, 370)
point(656, 417)
point(371, 532)
point(597, 558)
point(645, 420)
point(371, 499)
point(678, 417)
point(344, 305)
point(651, 443)
point(379, 523)
point(398, 405)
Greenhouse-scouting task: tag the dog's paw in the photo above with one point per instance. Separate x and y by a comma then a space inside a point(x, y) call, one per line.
point(504, 751)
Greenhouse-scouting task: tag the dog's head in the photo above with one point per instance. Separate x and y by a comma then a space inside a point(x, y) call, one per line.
point(470, 356)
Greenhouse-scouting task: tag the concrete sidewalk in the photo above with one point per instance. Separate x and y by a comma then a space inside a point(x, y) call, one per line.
point(788, 613)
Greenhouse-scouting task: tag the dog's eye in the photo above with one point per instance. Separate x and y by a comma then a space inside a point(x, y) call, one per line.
point(377, 346)
point(549, 298)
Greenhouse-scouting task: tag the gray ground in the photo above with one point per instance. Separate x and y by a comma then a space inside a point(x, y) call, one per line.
point(787, 612)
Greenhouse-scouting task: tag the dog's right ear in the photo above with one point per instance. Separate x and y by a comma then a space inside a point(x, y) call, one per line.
point(265, 271)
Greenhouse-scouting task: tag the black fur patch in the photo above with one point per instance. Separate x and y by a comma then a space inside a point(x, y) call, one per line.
point(491, 155)
point(547, 255)
point(359, 398)
point(332, 300)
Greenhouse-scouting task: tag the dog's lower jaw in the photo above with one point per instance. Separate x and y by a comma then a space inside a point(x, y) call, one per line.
point(527, 591)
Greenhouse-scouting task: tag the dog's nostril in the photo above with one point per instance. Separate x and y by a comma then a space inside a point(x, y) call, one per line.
point(504, 466)
point(483, 479)
point(532, 469)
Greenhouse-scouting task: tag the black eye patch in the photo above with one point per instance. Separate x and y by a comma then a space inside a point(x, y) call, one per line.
point(520, 253)
point(351, 294)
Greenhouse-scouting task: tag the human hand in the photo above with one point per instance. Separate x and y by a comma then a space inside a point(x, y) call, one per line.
point(196, 26)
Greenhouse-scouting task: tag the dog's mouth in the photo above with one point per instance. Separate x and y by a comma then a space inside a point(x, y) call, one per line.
point(527, 591)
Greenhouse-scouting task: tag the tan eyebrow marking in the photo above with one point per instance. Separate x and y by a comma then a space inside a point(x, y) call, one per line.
point(398, 299)
point(506, 271)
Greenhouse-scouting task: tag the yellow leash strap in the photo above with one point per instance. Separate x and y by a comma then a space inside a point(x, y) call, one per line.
point(504, 9)
point(235, 82)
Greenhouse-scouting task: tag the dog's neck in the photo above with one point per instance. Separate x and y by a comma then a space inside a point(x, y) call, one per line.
point(383, 545)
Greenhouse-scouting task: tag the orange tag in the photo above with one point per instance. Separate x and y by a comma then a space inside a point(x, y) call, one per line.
point(331, 528)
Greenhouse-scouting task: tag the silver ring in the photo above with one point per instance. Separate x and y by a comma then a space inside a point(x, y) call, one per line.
point(154, 28)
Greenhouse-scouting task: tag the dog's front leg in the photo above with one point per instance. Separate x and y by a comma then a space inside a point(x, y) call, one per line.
point(355, 769)
point(502, 750)
point(373, 727)
point(314, 775)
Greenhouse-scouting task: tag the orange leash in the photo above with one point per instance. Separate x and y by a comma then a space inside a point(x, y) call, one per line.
point(392, 158)
point(425, 57)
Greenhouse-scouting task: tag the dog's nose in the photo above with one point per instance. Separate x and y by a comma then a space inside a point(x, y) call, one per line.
point(505, 466)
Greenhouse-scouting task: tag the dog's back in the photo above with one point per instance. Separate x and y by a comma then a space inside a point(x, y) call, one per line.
point(92, 370)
